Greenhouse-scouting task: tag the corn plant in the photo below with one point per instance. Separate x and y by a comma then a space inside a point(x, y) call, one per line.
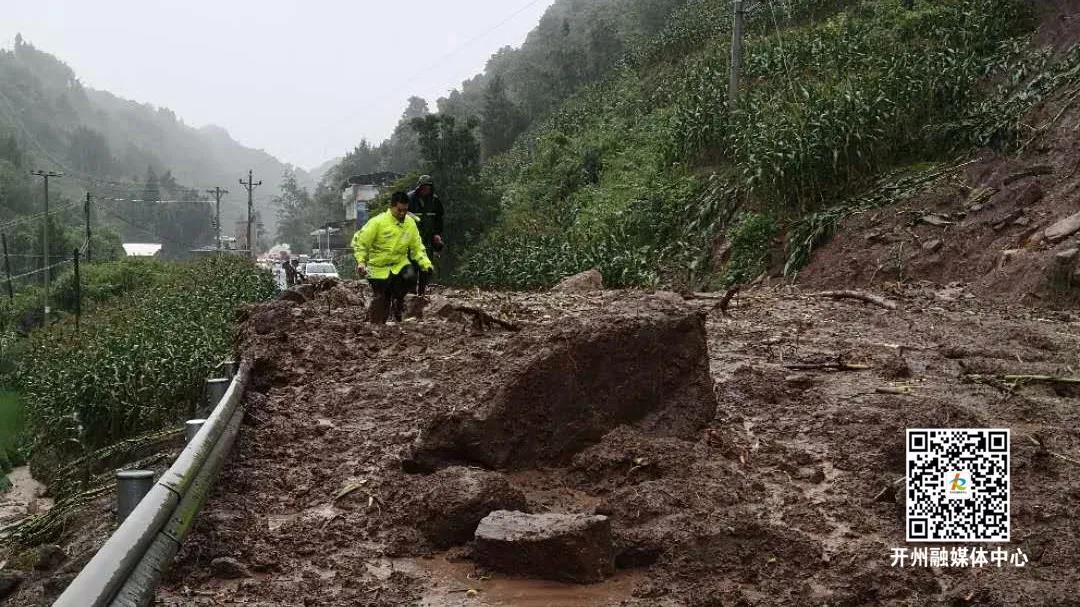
point(137, 364)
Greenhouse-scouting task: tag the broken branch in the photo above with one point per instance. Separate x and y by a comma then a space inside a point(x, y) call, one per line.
point(1026, 379)
point(830, 366)
point(483, 317)
point(867, 297)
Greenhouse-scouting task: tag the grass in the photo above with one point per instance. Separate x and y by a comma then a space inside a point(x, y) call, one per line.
point(12, 423)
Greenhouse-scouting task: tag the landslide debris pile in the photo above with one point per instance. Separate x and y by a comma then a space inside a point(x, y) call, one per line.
point(661, 451)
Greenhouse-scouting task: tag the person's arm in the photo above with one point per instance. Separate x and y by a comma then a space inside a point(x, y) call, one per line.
point(362, 241)
point(416, 248)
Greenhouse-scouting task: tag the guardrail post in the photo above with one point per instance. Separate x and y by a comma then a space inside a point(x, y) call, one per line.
point(228, 368)
point(131, 487)
point(191, 428)
point(215, 391)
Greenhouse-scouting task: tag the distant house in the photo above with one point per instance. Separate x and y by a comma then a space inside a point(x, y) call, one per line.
point(141, 249)
point(358, 191)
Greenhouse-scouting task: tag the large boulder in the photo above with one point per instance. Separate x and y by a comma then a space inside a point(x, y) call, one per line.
point(564, 547)
point(562, 388)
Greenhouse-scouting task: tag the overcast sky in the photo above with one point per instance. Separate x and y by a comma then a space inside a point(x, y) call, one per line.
point(303, 80)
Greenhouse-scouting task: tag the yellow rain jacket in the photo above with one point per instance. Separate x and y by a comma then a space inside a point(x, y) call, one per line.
point(384, 245)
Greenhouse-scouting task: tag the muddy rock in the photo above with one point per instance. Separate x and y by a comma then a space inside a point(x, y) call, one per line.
point(1063, 229)
point(648, 366)
point(585, 282)
point(228, 568)
point(54, 586)
point(49, 557)
point(454, 500)
point(9, 581)
point(564, 547)
point(293, 296)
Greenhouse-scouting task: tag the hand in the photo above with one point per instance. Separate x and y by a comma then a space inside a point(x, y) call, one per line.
point(361, 271)
point(437, 240)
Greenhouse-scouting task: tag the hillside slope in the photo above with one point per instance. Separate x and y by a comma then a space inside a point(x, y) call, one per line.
point(654, 176)
point(990, 224)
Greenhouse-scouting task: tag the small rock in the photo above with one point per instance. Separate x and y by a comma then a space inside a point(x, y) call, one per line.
point(932, 245)
point(228, 568)
point(585, 282)
point(9, 581)
point(1006, 256)
point(293, 296)
point(49, 557)
point(1022, 221)
point(457, 499)
point(1028, 195)
point(564, 547)
point(1064, 228)
point(1067, 256)
point(54, 586)
point(936, 220)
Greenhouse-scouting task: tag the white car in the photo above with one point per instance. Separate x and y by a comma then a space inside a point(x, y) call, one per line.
point(320, 269)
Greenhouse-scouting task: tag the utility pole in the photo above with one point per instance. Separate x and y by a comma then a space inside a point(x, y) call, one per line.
point(45, 237)
point(7, 269)
point(217, 192)
point(86, 211)
point(736, 53)
point(250, 186)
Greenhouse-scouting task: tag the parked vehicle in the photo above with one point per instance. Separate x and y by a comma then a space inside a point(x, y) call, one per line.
point(320, 269)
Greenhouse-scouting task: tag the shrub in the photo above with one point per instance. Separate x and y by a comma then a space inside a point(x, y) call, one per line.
point(751, 239)
point(138, 363)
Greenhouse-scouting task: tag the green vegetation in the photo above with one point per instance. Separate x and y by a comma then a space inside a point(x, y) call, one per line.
point(12, 419)
point(138, 362)
point(637, 174)
point(751, 240)
point(608, 140)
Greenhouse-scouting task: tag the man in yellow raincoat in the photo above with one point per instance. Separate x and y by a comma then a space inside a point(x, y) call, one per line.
point(383, 248)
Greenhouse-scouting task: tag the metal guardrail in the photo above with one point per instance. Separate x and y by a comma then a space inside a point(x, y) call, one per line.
point(125, 572)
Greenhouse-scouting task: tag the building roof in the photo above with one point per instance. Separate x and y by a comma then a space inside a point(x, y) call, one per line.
point(141, 249)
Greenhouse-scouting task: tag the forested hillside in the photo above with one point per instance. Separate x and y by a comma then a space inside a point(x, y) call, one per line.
point(118, 150)
point(608, 139)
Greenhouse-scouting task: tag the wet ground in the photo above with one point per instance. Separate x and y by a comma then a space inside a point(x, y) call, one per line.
point(24, 498)
point(783, 495)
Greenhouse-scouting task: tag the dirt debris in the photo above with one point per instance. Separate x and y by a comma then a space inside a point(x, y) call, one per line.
point(775, 499)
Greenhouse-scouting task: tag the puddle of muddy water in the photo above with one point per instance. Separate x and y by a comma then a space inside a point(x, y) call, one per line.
point(450, 581)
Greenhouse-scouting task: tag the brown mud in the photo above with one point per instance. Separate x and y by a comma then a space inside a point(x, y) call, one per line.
point(368, 452)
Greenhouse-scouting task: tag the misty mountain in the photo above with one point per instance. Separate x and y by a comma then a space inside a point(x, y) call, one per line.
point(108, 145)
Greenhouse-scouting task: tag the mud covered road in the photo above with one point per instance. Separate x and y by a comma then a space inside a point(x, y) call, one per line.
point(731, 477)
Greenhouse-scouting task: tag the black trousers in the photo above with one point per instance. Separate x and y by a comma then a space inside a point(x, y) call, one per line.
point(390, 295)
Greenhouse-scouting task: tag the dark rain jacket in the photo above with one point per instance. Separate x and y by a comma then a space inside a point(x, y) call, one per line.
point(429, 215)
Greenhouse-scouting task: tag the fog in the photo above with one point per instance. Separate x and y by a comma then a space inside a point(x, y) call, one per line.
point(303, 80)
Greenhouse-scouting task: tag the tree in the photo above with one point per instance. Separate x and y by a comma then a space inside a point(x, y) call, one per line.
point(293, 202)
point(89, 151)
point(451, 155)
point(502, 121)
point(402, 151)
